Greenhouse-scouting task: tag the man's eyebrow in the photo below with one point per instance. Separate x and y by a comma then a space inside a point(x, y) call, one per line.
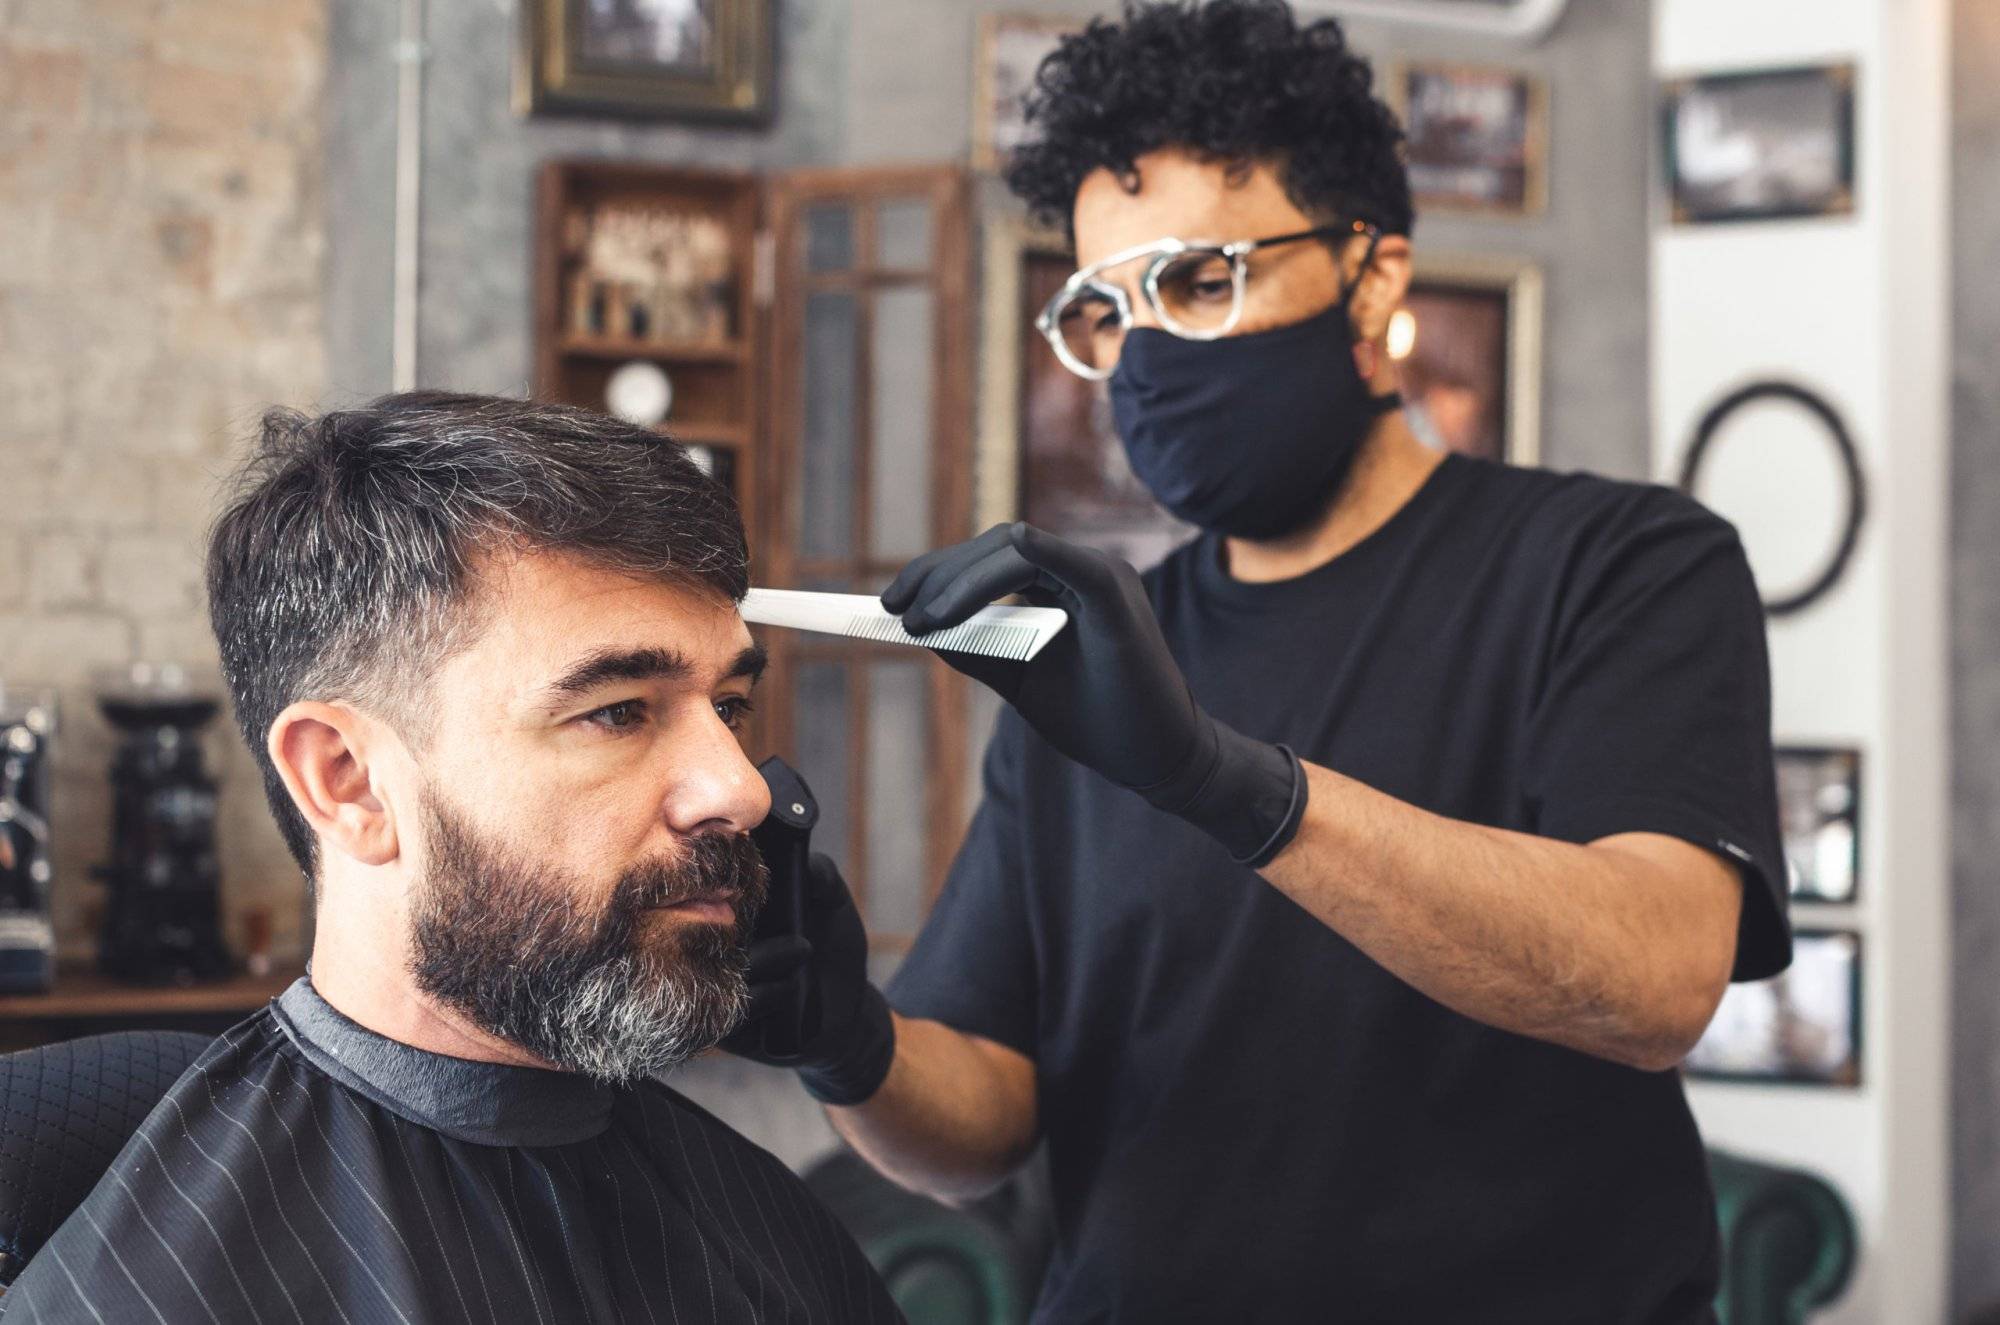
point(751, 663)
point(619, 665)
point(646, 665)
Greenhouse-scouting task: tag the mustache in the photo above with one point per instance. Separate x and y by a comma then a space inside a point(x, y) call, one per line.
point(710, 864)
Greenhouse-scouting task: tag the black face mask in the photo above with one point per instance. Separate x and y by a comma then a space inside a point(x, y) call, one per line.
point(1249, 436)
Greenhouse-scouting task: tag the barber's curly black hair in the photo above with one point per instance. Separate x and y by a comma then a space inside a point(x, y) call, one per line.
point(1233, 80)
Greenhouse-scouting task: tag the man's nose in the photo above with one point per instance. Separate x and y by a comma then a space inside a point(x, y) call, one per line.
point(714, 787)
point(1142, 309)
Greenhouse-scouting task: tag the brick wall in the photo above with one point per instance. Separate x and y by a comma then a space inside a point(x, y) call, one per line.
point(161, 239)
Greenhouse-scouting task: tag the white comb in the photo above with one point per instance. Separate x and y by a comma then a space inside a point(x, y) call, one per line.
point(1018, 633)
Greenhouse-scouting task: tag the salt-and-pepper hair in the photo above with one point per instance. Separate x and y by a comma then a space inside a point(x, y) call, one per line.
point(343, 565)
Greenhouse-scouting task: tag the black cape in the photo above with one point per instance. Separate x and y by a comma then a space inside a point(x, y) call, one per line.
point(308, 1170)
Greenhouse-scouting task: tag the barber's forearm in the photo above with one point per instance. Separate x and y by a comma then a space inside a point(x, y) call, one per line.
point(1599, 948)
point(954, 1118)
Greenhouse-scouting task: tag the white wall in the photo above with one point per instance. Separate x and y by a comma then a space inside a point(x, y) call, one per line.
point(1857, 308)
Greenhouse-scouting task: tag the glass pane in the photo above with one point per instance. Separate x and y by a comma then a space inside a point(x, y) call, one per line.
point(829, 237)
point(826, 487)
point(903, 235)
point(900, 505)
point(896, 782)
point(820, 750)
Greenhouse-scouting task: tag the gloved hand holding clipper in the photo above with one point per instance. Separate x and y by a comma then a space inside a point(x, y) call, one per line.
point(1107, 691)
point(812, 1007)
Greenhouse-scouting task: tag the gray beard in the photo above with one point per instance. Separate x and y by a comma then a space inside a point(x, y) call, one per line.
point(501, 940)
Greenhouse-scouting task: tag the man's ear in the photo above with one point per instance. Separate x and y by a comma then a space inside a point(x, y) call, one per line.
point(1383, 287)
point(321, 752)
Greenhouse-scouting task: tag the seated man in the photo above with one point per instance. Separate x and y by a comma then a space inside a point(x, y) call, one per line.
point(487, 655)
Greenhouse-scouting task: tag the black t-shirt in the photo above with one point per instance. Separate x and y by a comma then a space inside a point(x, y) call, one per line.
point(1249, 1120)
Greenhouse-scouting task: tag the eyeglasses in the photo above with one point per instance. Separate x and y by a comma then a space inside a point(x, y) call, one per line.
point(1195, 290)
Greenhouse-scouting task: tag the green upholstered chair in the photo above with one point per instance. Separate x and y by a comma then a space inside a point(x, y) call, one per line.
point(979, 1265)
point(1787, 1241)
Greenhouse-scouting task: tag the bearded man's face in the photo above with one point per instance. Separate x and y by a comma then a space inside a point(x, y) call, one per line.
point(574, 816)
point(623, 990)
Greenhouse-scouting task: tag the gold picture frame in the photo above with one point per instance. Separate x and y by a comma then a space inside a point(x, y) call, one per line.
point(1798, 126)
point(1010, 48)
point(713, 63)
point(1506, 376)
point(1465, 158)
point(1046, 450)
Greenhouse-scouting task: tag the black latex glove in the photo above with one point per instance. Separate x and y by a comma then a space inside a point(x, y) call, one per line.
point(1106, 691)
point(846, 1059)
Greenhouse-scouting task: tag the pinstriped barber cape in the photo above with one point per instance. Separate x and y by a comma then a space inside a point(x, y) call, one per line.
point(306, 1170)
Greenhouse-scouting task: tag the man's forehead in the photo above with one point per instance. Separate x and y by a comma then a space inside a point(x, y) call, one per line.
point(1178, 195)
point(544, 608)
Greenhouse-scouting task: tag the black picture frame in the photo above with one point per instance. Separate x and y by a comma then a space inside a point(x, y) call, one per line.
point(1706, 432)
point(1762, 110)
point(567, 68)
point(1817, 824)
point(1477, 137)
point(1757, 1035)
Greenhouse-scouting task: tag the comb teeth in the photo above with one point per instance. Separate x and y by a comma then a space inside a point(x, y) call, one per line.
point(988, 638)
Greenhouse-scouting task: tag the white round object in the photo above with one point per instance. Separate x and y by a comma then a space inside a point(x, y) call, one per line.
point(639, 392)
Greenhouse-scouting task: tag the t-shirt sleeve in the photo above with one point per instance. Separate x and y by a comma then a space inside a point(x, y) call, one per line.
point(973, 966)
point(1655, 715)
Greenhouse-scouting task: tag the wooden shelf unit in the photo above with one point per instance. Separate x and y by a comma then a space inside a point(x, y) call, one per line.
point(718, 383)
point(573, 344)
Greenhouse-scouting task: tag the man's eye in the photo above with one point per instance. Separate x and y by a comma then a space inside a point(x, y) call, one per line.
point(622, 716)
point(734, 712)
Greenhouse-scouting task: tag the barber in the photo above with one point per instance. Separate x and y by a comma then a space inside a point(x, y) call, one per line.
point(1348, 887)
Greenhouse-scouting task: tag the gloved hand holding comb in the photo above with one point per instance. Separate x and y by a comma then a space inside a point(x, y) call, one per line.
point(1107, 692)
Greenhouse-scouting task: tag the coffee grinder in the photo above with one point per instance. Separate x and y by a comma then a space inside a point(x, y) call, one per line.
point(162, 924)
point(27, 936)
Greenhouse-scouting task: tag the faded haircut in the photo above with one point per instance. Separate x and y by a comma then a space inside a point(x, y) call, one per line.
point(341, 569)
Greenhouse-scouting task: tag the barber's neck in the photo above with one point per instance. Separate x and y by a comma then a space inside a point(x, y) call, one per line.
point(1390, 467)
point(361, 967)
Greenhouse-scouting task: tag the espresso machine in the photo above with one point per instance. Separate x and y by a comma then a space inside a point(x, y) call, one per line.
point(162, 921)
point(27, 936)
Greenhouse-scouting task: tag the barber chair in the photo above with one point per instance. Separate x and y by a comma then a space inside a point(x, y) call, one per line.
point(980, 1264)
point(1787, 1241)
point(66, 1110)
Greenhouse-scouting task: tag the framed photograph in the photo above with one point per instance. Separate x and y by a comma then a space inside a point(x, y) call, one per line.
point(1477, 137)
point(1819, 809)
point(1801, 1026)
point(1468, 344)
point(1762, 144)
point(1520, 20)
point(699, 60)
point(1011, 47)
point(1048, 452)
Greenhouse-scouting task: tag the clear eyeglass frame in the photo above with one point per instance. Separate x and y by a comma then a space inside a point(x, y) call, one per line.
point(1164, 253)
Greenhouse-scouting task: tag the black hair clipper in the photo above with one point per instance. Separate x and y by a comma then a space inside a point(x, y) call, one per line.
point(784, 840)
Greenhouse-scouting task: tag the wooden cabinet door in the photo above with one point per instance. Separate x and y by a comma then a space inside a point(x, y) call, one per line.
point(869, 464)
